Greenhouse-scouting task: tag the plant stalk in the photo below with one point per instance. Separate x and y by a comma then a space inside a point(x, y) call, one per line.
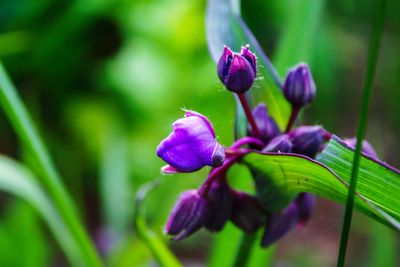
point(362, 125)
point(244, 250)
point(249, 115)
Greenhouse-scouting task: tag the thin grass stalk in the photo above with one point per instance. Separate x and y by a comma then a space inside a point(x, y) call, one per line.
point(23, 125)
point(362, 125)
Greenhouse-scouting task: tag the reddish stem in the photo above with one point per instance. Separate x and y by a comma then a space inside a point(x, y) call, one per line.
point(248, 140)
point(249, 115)
point(292, 119)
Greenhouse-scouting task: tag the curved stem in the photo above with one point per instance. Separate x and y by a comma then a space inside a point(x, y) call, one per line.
point(248, 140)
point(249, 115)
point(244, 250)
point(362, 125)
point(292, 119)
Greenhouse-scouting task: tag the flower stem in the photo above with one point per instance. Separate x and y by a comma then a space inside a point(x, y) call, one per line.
point(244, 250)
point(249, 115)
point(367, 88)
point(248, 140)
point(292, 119)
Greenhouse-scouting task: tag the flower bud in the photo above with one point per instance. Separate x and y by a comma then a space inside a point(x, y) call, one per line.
point(247, 212)
point(266, 124)
point(278, 224)
point(307, 140)
point(299, 86)
point(305, 203)
point(280, 143)
point(237, 71)
point(191, 145)
point(190, 213)
point(220, 199)
point(366, 146)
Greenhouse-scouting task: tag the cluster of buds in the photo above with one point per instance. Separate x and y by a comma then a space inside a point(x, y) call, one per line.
point(192, 145)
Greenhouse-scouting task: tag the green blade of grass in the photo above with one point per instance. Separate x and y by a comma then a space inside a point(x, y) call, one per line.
point(23, 125)
point(362, 125)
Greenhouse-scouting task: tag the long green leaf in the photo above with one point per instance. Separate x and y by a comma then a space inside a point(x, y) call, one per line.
point(226, 27)
point(23, 125)
point(15, 179)
point(378, 194)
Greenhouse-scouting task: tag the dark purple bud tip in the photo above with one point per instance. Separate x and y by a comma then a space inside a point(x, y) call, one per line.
point(220, 199)
point(278, 224)
point(305, 203)
point(247, 213)
point(280, 143)
point(307, 140)
point(266, 125)
point(366, 146)
point(192, 144)
point(299, 86)
point(191, 212)
point(237, 71)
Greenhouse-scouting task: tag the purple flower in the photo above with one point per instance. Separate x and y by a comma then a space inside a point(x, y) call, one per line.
point(298, 213)
point(307, 140)
point(237, 71)
point(266, 124)
point(366, 146)
point(191, 145)
point(247, 213)
point(280, 143)
point(299, 86)
point(221, 201)
point(190, 213)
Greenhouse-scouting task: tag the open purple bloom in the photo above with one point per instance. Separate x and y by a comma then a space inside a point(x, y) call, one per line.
point(220, 199)
point(191, 145)
point(366, 146)
point(299, 86)
point(307, 140)
point(267, 125)
point(247, 213)
point(190, 213)
point(237, 71)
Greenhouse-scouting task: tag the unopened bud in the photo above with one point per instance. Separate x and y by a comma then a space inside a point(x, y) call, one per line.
point(299, 86)
point(237, 71)
point(220, 199)
point(280, 143)
point(190, 213)
point(266, 124)
point(366, 146)
point(307, 140)
point(247, 212)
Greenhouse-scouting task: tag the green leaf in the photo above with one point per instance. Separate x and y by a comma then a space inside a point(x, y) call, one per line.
point(15, 179)
point(378, 189)
point(226, 27)
point(298, 38)
point(152, 240)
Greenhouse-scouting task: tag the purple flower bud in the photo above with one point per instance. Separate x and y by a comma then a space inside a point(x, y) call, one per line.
point(299, 86)
point(190, 213)
point(305, 203)
point(366, 146)
point(266, 124)
point(220, 199)
point(280, 143)
point(237, 71)
point(247, 212)
point(278, 224)
point(307, 140)
point(191, 145)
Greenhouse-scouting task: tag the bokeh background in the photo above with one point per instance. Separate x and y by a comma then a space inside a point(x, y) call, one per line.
point(105, 79)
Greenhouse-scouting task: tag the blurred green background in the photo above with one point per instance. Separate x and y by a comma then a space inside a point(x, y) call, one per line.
point(105, 79)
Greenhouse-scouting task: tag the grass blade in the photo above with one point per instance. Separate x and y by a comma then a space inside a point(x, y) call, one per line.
point(369, 76)
point(23, 125)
